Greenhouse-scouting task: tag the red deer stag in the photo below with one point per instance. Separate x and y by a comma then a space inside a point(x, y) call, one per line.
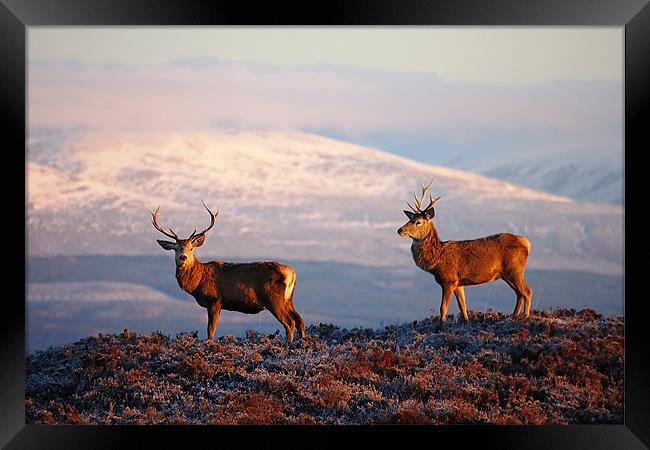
point(248, 288)
point(455, 264)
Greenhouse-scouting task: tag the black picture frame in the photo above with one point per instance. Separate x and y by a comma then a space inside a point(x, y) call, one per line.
point(17, 15)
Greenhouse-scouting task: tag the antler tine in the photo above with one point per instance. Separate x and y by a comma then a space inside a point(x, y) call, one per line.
point(154, 221)
point(418, 202)
point(412, 208)
point(432, 201)
point(213, 219)
point(426, 188)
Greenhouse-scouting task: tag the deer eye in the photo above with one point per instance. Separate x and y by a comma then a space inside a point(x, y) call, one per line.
point(419, 222)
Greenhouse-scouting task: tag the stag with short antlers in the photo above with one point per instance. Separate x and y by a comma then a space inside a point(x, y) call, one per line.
point(247, 287)
point(455, 264)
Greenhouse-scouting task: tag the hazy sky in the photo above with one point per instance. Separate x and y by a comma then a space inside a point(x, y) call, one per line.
point(507, 55)
point(403, 89)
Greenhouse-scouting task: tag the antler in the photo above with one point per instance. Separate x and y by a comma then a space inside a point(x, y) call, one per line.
point(213, 219)
point(154, 221)
point(418, 201)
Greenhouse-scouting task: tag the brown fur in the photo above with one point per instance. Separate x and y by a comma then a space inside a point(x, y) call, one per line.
point(455, 264)
point(247, 288)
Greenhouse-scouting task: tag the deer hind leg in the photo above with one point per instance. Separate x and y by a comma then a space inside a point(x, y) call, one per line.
point(524, 294)
point(281, 312)
point(282, 303)
point(520, 297)
point(528, 296)
point(289, 328)
point(290, 290)
point(300, 324)
point(289, 325)
point(460, 298)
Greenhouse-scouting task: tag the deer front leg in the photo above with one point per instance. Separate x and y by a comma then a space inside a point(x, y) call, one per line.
point(460, 297)
point(447, 290)
point(213, 317)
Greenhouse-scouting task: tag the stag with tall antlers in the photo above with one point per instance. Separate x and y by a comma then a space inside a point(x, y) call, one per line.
point(247, 287)
point(455, 264)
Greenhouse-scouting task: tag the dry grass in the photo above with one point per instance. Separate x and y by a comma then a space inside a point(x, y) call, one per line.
point(560, 366)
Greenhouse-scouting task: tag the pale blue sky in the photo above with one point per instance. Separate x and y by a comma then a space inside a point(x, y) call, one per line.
point(504, 55)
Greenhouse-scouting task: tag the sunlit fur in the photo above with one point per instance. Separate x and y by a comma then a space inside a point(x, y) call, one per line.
point(455, 264)
point(248, 288)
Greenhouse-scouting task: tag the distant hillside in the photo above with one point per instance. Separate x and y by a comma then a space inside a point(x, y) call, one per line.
point(559, 367)
point(288, 195)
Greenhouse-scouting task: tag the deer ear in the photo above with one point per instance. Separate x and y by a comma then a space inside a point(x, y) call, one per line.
point(409, 214)
point(430, 213)
point(198, 241)
point(166, 244)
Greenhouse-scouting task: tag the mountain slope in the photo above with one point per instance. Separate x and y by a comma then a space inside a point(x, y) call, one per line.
point(594, 177)
point(286, 195)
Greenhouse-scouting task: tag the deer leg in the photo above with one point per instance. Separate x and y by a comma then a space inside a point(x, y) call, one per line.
point(520, 297)
point(214, 311)
point(528, 295)
point(290, 327)
point(524, 295)
point(447, 290)
point(300, 324)
point(460, 298)
point(284, 317)
point(517, 310)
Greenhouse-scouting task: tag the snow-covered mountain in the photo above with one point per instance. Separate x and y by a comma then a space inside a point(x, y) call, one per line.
point(286, 195)
point(593, 177)
point(590, 171)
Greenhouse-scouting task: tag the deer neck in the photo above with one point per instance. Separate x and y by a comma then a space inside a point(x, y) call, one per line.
point(426, 250)
point(189, 277)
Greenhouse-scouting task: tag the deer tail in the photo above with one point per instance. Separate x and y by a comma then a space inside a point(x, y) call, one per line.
point(289, 283)
point(525, 242)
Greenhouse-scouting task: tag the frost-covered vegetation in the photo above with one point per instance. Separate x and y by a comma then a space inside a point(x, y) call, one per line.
point(560, 366)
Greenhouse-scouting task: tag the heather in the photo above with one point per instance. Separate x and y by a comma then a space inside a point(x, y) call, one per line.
point(558, 367)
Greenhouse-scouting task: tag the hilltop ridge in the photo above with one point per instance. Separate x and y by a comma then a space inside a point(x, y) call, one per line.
point(559, 367)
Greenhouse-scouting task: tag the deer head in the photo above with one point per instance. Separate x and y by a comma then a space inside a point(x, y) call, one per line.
point(419, 224)
point(183, 248)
